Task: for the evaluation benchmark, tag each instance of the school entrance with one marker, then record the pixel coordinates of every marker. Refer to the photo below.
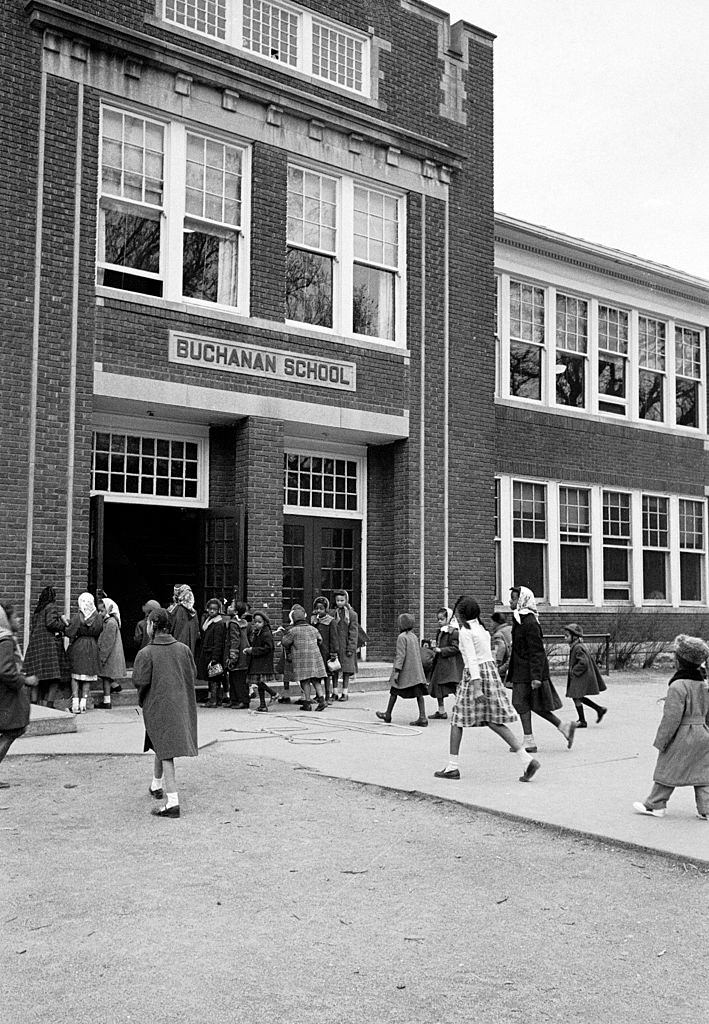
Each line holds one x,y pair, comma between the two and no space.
320,556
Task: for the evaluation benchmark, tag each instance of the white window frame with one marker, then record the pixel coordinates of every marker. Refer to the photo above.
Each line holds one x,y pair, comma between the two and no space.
163,432
701,552
622,404
506,321
344,259
354,454
586,545
664,374
550,569
173,215
561,350
307,19
601,598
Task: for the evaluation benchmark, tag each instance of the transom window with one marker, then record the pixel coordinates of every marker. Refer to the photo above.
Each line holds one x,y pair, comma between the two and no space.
140,467
320,482
285,33
189,206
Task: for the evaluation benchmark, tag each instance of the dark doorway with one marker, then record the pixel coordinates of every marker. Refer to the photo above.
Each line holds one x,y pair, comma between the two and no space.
320,556
147,549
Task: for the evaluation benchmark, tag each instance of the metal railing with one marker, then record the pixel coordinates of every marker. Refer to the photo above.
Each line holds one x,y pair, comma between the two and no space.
602,639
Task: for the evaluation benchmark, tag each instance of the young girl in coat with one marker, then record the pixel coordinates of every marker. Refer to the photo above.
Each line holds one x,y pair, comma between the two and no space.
83,629
407,678
584,678
45,656
260,652
302,645
112,663
447,669
683,735
345,635
213,653
325,624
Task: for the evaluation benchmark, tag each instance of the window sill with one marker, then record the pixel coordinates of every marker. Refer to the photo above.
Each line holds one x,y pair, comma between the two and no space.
224,315
602,417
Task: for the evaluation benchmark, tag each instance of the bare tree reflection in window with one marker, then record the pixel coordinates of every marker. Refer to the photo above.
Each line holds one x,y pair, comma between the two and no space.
570,381
309,288
525,370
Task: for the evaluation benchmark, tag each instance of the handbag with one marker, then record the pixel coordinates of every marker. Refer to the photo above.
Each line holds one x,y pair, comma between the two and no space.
334,665
428,660
214,668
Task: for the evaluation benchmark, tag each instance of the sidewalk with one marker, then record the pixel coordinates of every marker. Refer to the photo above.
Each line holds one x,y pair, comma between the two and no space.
589,789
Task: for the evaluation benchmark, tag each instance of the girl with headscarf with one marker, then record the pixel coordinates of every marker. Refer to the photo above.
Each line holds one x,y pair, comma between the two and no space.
45,656
84,629
532,689
183,617
14,696
447,670
112,662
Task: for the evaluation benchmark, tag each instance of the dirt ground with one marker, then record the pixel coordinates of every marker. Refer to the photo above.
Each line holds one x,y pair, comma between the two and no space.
280,896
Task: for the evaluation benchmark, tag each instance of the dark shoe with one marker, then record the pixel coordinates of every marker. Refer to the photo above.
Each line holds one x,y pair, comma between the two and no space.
273,697
116,689
420,721
345,696
582,725
439,714
452,773
211,704
600,714
284,700
530,771
321,706
306,706
531,750
102,706
568,733
156,794
262,707
384,717
166,812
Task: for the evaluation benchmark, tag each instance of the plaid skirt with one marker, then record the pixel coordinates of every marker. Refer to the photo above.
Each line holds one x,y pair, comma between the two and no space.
493,708
260,679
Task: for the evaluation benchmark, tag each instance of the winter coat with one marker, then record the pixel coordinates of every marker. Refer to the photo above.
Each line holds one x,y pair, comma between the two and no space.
584,678
213,647
45,656
261,657
408,669
83,649
141,634
502,649
326,628
164,674
14,695
237,642
528,659
302,646
345,637
185,627
448,666
683,735
112,663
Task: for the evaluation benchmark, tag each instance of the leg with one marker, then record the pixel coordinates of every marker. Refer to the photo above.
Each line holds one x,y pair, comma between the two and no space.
451,770
172,804
106,686
261,696
85,687
528,740
305,687
598,708
74,695
531,765
52,690
5,744
659,795
422,718
320,694
335,683
386,715
345,685
701,795
578,704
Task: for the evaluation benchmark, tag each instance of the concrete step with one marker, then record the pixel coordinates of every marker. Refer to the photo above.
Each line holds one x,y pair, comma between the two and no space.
49,721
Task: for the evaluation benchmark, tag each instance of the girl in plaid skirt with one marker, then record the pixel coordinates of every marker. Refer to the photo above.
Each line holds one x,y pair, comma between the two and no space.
481,698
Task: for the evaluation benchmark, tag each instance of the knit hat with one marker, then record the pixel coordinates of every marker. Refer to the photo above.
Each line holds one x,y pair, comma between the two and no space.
691,649
150,606
297,614
574,629
406,621
321,600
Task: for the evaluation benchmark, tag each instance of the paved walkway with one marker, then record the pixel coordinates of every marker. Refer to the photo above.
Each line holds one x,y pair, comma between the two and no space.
589,789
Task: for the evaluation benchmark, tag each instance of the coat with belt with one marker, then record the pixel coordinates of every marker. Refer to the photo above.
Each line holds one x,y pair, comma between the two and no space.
213,647
302,646
584,678
45,656
112,662
185,626
164,674
14,696
261,657
683,734
345,635
237,642
407,669
83,649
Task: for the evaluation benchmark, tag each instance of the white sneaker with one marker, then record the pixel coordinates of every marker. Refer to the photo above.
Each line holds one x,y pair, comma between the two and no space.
642,809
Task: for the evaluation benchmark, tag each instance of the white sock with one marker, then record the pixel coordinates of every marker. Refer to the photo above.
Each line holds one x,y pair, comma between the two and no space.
74,703
344,689
452,763
524,757
172,800
528,741
156,784
82,704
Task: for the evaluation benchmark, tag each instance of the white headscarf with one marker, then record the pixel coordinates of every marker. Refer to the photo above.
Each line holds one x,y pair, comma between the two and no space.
449,624
526,605
112,609
87,605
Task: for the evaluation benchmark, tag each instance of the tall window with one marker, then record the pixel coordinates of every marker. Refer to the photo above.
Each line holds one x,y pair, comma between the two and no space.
526,340
312,246
691,549
575,538
655,547
131,202
617,540
571,347
651,335
212,221
376,251
498,544
529,531
688,373
613,333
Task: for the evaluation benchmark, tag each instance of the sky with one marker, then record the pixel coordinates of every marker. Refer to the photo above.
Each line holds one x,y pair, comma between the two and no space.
602,120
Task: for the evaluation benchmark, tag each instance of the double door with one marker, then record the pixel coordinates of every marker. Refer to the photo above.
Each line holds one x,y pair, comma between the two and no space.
320,556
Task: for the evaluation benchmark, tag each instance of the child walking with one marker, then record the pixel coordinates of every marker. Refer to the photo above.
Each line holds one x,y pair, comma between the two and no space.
407,679
83,629
260,671
302,644
683,735
584,679
447,669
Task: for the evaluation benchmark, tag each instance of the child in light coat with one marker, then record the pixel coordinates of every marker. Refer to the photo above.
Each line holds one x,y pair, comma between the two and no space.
407,678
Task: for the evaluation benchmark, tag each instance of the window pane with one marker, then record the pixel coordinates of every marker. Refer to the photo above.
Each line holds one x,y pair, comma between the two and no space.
526,312
655,522
209,267
337,56
613,329
529,567
373,302
574,571
690,567
652,343
687,353
654,576
309,288
616,568
687,403
132,157
691,524
376,227
213,180
312,209
205,16
529,510
132,241
525,370
570,380
611,375
571,323
651,404
271,31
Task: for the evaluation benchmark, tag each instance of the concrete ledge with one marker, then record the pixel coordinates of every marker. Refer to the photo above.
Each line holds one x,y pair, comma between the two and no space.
50,722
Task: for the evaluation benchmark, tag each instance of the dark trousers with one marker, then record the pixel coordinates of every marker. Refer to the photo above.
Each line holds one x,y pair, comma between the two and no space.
238,690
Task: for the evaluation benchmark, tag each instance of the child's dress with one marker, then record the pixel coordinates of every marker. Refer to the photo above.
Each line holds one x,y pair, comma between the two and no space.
493,707
407,677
